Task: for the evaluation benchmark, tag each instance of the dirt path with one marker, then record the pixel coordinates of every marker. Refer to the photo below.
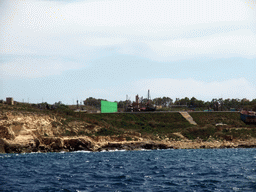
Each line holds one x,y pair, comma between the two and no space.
188,118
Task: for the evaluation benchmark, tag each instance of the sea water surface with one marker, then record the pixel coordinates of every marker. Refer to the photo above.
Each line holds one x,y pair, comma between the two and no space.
156,170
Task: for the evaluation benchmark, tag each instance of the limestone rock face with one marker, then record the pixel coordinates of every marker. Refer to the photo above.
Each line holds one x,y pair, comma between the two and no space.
29,132
6,132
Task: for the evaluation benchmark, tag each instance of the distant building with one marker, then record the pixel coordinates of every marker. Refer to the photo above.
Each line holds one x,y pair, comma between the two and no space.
9,101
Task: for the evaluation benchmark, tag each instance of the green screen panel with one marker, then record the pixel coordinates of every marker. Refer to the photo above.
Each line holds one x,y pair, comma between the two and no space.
108,107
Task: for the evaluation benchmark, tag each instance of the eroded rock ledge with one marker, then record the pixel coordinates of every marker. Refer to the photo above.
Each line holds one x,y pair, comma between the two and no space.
76,144
55,144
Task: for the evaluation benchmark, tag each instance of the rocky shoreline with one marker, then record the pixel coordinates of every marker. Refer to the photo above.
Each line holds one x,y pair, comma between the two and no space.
78,144
25,133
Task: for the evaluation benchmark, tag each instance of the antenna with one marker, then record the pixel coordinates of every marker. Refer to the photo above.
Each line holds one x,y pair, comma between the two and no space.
149,95
126,103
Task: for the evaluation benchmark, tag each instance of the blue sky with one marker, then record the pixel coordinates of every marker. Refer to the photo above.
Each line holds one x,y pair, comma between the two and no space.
71,50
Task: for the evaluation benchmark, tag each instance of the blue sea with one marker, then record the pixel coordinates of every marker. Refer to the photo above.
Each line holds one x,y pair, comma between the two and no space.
155,170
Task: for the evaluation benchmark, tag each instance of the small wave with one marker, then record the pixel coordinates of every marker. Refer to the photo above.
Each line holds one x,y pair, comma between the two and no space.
5,156
146,150
82,151
236,189
115,150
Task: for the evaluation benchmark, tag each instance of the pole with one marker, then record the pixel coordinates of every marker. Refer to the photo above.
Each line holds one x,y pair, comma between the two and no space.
126,103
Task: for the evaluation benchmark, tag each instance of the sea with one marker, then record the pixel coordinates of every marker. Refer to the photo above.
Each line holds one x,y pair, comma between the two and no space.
146,170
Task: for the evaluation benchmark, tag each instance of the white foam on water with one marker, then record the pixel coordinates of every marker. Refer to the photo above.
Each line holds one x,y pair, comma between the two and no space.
146,149
236,189
82,151
115,150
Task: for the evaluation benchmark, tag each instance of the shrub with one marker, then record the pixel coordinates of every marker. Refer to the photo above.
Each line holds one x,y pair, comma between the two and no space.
204,133
106,132
69,133
128,139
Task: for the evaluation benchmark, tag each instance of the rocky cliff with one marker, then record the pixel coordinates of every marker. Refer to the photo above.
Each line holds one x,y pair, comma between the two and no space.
32,132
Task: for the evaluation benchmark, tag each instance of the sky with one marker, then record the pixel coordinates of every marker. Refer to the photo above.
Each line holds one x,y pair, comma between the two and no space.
60,50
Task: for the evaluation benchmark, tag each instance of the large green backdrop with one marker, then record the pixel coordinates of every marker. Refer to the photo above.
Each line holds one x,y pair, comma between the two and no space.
108,107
